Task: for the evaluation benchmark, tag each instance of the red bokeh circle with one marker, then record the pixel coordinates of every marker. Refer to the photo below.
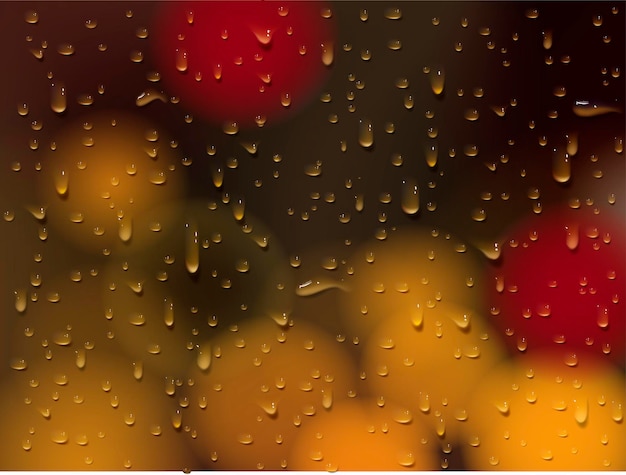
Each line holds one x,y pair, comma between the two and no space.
244,62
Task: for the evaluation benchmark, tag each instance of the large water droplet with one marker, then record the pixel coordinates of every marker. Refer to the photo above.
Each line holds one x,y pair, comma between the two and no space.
168,312
571,236
192,248
437,79
181,60
410,196
314,287
366,133
203,359
21,300
58,97
584,108
561,166
150,95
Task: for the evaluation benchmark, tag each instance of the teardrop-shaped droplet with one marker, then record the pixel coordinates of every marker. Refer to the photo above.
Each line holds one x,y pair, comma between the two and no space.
58,97
203,359
238,207
423,402
417,316
581,410
192,248
410,196
168,312
561,166
571,237
328,53
61,182
21,300
431,155
125,229
269,407
81,358
181,60
366,133
546,36
502,407
437,78
263,35
327,398
461,319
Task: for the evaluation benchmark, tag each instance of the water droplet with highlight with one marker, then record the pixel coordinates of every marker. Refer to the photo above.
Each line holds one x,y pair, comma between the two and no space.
561,166
581,410
431,153
366,133
150,95
181,60
192,248
584,108
58,97
410,196
328,53
125,229
437,80
203,359
571,237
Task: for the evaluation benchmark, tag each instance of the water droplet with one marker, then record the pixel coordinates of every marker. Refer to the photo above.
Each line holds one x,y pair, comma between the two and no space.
181,60
21,300
571,236
59,437
462,320
177,419
62,338
238,209
230,128
66,49
18,364
393,13
203,359
561,166
366,133
61,182
192,248
58,97
150,95
602,318
546,37
410,196
437,80
617,412
431,154
328,53
584,108
245,439
503,407
471,115
417,316
263,35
